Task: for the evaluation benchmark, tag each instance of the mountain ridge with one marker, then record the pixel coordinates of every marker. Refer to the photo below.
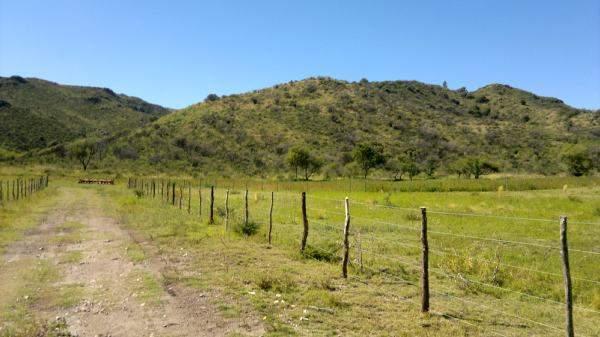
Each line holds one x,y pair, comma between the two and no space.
37,113
252,132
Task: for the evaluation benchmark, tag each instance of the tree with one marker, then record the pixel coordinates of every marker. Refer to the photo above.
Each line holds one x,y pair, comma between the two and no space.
395,166
296,157
368,156
311,167
473,166
430,167
211,98
445,85
411,168
83,152
578,162
461,168
299,158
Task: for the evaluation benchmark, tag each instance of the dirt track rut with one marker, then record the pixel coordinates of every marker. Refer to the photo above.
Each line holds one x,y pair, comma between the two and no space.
119,297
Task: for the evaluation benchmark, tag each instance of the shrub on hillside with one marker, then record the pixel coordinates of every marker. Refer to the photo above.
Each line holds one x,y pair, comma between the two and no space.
247,229
125,152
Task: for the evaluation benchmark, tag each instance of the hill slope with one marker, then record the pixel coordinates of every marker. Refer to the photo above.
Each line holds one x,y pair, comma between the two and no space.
251,133
37,113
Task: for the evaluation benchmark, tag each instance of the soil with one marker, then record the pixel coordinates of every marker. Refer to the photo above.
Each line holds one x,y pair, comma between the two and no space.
112,303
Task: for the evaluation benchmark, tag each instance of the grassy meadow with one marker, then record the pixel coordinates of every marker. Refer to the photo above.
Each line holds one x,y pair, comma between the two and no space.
493,254
495,265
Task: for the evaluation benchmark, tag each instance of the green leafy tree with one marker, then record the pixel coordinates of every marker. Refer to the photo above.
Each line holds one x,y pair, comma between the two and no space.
473,166
299,158
578,162
395,167
478,167
313,166
430,167
369,156
411,168
460,167
84,151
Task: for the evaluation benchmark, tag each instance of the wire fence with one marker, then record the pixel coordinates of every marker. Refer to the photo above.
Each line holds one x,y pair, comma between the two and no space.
21,188
505,266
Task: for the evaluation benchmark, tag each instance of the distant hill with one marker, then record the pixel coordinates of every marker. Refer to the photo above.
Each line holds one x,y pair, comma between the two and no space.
35,114
251,133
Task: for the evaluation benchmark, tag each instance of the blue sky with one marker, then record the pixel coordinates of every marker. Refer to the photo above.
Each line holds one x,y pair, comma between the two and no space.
174,53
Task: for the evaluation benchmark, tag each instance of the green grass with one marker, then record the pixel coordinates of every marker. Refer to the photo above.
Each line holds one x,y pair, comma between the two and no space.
146,288
386,226
135,253
300,294
74,256
12,222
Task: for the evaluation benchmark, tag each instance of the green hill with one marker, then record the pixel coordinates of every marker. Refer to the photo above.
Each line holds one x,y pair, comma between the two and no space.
252,133
36,114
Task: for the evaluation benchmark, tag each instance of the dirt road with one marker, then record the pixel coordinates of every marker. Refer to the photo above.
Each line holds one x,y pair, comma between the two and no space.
106,284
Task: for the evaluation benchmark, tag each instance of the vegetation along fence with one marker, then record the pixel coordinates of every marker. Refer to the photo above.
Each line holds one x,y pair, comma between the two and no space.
512,267
19,188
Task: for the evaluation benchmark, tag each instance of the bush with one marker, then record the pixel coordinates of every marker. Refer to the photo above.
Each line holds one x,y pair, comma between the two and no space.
327,252
280,283
248,229
211,98
126,152
578,162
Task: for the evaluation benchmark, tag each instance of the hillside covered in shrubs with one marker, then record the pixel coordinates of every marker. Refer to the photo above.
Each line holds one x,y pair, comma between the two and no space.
36,114
417,128
429,125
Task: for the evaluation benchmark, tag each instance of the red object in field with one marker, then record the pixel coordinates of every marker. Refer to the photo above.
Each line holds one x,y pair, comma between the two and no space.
97,181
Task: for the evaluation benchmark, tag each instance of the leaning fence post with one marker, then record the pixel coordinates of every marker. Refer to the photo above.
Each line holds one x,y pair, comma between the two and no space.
304,222
424,263
271,216
226,210
212,204
346,242
564,252
246,208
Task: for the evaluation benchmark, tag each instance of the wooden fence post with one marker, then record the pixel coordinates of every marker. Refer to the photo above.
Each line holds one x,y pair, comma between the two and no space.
271,216
212,205
564,252
168,194
246,208
304,223
226,210
424,263
173,195
346,242
180,195
190,198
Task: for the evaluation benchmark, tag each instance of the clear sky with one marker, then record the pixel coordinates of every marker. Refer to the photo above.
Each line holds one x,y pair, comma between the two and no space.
174,53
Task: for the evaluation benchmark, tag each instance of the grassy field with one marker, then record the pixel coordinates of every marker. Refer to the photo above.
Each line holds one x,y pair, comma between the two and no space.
494,254
495,262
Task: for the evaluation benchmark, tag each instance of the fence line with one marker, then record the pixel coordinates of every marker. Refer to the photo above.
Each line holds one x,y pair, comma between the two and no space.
287,207
442,212
21,188
469,236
